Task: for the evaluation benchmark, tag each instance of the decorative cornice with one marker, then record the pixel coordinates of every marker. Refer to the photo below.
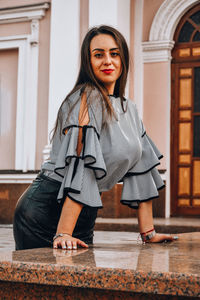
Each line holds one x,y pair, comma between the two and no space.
23,13
160,43
17,178
157,51
167,18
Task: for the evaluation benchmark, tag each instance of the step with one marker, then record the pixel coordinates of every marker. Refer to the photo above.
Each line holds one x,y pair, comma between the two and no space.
117,266
169,225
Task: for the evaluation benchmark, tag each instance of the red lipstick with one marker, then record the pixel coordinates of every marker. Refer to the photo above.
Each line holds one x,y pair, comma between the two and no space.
108,71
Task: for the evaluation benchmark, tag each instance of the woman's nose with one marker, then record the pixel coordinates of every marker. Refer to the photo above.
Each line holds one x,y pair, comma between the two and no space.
107,59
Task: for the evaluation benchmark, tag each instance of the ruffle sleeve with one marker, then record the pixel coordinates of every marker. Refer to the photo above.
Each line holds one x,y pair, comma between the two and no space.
80,173
142,182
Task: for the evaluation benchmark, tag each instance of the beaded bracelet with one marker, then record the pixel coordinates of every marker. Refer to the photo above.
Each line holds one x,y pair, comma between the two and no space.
60,234
148,235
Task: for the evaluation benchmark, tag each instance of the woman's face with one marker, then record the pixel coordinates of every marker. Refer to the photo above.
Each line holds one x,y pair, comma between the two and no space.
105,60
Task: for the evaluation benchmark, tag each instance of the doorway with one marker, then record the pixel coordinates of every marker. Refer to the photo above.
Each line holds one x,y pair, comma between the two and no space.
185,116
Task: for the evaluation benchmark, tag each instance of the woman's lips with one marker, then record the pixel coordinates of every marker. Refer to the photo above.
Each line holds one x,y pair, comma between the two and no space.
107,71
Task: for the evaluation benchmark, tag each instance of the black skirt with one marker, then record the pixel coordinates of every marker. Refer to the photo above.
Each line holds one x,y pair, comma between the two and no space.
37,214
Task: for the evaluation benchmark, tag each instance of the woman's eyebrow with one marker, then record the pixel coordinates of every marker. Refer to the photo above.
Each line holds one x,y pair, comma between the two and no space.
114,49
99,49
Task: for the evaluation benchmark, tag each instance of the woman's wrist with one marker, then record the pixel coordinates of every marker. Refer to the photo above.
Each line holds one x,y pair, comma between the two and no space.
148,235
60,234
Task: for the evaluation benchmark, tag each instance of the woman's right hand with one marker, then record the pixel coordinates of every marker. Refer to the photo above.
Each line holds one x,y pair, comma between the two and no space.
68,242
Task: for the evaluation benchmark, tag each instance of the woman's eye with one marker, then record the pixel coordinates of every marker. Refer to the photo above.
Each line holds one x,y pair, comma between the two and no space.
113,54
98,55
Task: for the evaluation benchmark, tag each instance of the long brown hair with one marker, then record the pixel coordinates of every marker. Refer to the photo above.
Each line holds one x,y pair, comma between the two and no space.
86,75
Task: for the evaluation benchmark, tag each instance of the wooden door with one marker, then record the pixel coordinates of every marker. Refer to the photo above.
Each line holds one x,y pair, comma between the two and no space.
185,117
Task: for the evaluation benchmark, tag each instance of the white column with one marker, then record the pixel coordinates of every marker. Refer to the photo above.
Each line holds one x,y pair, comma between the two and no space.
20,109
115,13
64,56
138,56
103,12
168,164
31,97
64,53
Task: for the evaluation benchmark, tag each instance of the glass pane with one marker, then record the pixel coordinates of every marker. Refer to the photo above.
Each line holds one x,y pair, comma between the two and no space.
184,181
196,202
184,52
196,37
185,33
195,51
196,178
184,159
183,202
196,143
186,72
185,92
197,89
184,136
196,17
185,115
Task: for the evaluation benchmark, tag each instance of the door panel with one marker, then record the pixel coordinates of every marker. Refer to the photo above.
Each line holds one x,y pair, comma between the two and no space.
185,116
196,178
185,92
184,137
185,144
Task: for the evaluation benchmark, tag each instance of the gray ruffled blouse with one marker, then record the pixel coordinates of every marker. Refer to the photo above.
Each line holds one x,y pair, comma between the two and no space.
119,151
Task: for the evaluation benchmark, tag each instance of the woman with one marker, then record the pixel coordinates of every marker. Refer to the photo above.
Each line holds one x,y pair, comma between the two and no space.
98,141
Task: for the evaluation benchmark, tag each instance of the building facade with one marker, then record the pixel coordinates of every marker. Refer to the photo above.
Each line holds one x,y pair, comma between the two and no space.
39,61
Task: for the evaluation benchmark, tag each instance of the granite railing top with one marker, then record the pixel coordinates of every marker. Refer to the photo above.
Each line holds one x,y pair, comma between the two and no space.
116,262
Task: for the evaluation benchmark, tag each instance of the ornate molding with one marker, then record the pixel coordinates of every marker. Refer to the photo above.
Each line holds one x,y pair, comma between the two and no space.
157,51
23,13
27,87
160,43
167,18
34,38
17,178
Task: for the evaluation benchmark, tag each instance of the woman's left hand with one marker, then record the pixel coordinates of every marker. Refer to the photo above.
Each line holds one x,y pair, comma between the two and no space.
159,238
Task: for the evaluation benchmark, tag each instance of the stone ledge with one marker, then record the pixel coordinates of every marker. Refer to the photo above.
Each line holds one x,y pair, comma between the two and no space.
116,262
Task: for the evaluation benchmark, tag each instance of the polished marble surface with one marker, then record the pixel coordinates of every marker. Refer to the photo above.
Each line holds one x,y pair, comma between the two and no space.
168,225
116,261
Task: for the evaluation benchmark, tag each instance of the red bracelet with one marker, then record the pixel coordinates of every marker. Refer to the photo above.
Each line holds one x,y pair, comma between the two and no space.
142,233
147,236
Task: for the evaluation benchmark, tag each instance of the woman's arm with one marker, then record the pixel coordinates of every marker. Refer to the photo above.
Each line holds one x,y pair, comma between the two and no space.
145,221
68,218
71,209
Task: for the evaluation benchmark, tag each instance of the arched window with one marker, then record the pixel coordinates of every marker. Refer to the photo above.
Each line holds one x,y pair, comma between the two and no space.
190,30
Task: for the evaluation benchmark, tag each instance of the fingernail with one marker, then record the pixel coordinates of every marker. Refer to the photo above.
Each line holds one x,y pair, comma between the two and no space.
69,247
74,247
55,247
175,237
64,247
